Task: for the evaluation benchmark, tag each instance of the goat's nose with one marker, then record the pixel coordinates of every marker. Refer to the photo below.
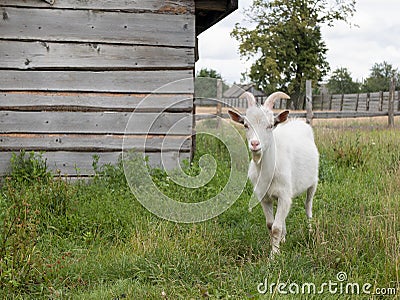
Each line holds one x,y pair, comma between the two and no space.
255,143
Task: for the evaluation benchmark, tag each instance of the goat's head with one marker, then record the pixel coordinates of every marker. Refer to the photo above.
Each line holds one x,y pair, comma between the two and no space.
260,121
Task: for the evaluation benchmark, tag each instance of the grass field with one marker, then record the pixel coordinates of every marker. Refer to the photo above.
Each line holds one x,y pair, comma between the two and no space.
81,240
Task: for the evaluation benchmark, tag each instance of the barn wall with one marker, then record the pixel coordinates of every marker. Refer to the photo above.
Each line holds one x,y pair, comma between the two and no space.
73,72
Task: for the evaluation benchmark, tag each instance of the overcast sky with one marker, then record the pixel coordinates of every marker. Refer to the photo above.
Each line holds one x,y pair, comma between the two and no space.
376,39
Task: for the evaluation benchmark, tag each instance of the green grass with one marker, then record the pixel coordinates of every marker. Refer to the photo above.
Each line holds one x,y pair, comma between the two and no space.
94,240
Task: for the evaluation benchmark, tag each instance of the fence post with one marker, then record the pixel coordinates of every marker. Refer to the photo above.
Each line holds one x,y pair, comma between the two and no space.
219,103
380,101
341,102
322,101
391,102
358,99
398,100
309,115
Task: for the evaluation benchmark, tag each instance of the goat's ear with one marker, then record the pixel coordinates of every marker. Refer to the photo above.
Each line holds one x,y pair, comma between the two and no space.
236,116
282,117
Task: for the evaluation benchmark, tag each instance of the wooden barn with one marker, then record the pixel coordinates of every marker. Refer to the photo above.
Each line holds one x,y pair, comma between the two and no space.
72,72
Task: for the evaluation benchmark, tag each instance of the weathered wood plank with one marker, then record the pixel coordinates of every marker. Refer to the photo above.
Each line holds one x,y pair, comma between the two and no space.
335,105
362,102
96,122
375,95
326,102
349,114
351,96
157,6
390,108
90,142
108,81
309,112
349,103
80,163
38,101
398,101
374,104
97,27
317,115
362,106
339,114
316,101
47,55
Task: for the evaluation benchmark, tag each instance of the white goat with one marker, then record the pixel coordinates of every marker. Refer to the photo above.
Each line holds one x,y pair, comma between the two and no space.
284,161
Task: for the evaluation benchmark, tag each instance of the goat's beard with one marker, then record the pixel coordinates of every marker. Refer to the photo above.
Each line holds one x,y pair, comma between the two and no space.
257,155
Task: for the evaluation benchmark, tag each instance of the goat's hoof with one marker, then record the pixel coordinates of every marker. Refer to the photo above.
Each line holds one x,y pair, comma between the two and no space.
273,255
283,239
310,228
274,252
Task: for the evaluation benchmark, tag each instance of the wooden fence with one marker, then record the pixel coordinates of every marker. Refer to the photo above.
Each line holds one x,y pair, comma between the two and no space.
336,105
329,106
365,102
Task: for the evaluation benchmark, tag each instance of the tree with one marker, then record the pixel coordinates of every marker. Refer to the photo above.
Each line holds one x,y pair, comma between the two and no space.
206,83
287,42
210,73
342,83
380,78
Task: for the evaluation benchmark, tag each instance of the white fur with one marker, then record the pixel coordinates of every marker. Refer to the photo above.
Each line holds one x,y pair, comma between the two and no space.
285,165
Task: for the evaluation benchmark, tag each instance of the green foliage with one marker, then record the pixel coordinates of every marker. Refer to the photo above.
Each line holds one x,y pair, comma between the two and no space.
350,153
29,167
380,78
206,84
30,210
210,146
341,82
287,42
109,174
18,237
209,73
326,169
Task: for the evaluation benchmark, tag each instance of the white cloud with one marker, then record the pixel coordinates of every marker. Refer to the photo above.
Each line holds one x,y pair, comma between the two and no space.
376,39
373,41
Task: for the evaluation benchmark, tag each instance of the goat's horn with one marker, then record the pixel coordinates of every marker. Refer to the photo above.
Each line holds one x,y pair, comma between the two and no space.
269,103
250,98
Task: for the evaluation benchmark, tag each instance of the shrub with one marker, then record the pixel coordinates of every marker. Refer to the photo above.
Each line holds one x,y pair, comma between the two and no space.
351,152
29,167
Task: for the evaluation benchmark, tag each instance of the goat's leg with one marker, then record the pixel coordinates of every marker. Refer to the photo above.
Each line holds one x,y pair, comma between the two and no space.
309,203
279,227
268,209
283,238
